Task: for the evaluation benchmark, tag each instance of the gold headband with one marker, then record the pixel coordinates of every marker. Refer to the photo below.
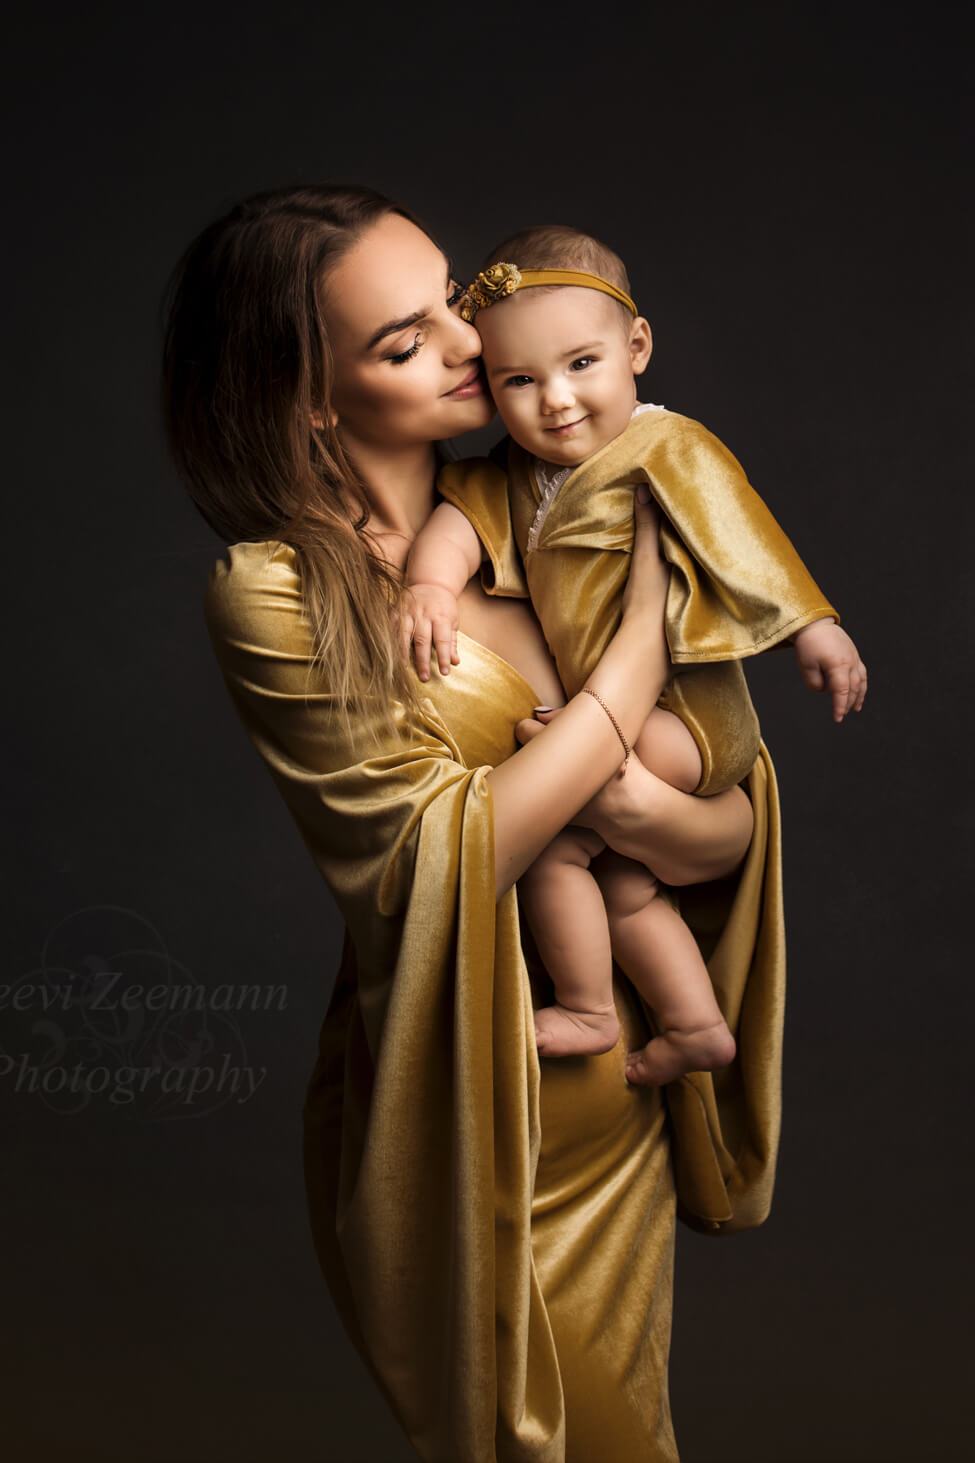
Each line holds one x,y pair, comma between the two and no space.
503,279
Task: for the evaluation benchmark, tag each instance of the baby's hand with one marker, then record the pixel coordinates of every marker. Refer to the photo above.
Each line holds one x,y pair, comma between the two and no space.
430,613
829,661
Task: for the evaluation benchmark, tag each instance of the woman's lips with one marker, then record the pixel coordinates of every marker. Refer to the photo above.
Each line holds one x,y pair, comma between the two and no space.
470,386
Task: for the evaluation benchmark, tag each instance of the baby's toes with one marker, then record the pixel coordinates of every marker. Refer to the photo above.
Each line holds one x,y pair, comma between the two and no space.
636,1068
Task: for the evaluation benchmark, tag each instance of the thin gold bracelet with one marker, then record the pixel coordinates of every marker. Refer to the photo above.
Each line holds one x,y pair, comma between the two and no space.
615,723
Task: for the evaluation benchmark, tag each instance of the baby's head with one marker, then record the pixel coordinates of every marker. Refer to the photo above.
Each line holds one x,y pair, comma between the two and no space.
561,360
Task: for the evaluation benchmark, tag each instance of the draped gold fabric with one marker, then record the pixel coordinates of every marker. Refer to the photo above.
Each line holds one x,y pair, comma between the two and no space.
737,585
496,1229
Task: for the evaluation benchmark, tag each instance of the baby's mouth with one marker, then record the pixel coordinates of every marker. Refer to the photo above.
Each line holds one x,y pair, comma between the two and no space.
566,426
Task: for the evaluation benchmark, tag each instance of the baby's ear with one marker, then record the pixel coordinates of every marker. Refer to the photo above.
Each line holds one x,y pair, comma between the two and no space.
641,345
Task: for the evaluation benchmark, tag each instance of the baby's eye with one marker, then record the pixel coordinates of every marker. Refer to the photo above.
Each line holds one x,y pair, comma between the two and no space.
518,381
582,362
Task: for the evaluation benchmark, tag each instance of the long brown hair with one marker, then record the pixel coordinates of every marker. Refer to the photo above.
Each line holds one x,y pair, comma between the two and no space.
246,364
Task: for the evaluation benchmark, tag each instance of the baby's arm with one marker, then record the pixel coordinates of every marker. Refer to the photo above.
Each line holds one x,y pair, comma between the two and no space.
829,661
445,553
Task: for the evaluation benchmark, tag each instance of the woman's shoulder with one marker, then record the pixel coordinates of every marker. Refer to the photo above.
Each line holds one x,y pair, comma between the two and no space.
253,592
247,565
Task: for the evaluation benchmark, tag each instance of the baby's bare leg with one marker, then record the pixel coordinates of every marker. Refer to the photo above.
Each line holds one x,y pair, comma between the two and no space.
659,954
668,749
565,910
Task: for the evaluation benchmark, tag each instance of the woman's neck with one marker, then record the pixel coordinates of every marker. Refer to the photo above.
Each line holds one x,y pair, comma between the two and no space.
400,489
399,483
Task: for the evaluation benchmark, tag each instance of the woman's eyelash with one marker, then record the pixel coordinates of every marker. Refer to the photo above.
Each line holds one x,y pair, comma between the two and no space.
407,354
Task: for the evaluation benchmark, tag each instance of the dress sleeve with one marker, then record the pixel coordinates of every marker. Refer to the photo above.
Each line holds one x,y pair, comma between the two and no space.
423,1112
738,587
478,487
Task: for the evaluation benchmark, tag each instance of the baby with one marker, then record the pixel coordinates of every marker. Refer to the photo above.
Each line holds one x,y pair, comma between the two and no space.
563,344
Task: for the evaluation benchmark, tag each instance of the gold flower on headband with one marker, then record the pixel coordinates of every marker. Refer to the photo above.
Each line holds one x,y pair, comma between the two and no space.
490,285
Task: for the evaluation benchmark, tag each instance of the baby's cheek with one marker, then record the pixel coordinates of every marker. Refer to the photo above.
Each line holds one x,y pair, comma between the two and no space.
510,410
519,425
616,414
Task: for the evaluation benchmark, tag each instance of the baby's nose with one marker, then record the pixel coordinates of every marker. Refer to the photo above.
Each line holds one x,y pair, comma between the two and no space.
556,397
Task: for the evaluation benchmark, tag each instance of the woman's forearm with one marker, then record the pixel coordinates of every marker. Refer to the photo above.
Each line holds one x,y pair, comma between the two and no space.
539,789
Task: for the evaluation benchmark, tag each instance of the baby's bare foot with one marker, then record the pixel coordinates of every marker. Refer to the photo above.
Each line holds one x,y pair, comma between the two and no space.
563,1032
666,1057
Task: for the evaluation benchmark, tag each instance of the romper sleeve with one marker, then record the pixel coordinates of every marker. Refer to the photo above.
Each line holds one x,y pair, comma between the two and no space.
422,1115
738,586
478,487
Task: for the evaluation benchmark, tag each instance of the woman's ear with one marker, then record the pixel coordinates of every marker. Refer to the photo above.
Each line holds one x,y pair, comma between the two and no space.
318,421
641,345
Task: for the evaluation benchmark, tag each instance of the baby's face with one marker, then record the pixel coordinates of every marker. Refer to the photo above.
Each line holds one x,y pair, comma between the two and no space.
561,367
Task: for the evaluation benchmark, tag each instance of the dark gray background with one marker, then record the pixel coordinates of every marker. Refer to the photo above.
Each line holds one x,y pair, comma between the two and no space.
786,184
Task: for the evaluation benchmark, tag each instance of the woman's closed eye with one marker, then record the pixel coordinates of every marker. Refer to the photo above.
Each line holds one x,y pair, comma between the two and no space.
408,354
401,357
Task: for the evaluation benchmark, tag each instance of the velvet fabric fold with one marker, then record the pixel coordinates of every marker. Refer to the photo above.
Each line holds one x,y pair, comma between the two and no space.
432,1172
496,1230
737,585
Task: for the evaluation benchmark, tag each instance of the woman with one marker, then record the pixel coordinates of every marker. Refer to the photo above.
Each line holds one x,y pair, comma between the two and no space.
497,1230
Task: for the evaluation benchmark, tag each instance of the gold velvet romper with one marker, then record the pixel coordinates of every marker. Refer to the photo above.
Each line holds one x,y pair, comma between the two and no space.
737,585
496,1230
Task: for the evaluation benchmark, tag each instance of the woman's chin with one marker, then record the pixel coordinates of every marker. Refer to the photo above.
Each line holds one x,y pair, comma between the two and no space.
470,416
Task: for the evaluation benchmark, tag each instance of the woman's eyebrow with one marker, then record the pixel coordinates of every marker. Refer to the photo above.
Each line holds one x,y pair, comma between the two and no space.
391,326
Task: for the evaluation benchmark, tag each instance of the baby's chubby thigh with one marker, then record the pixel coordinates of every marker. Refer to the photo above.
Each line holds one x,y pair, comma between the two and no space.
667,748
573,847
626,886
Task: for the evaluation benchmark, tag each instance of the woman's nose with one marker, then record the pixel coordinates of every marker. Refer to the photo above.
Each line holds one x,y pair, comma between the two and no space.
462,343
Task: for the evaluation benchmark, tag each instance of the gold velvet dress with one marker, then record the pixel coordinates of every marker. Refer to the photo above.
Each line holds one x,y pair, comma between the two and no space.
496,1230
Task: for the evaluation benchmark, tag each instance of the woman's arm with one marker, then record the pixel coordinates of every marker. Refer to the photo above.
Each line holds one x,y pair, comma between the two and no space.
539,789
360,802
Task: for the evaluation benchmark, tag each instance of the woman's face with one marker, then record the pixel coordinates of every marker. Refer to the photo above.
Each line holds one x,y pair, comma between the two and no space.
407,367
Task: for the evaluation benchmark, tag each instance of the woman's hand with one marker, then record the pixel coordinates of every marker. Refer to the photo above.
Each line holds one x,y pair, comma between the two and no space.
536,795
649,576
644,603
